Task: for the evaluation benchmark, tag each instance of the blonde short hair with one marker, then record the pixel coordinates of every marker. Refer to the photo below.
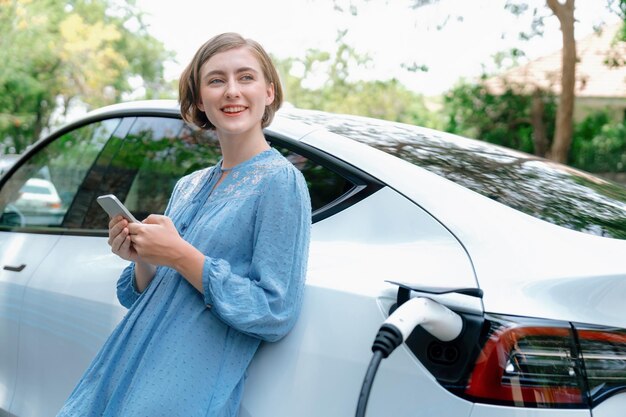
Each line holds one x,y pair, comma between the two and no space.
189,83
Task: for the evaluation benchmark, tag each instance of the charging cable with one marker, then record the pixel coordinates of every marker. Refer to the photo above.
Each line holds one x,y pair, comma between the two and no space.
435,318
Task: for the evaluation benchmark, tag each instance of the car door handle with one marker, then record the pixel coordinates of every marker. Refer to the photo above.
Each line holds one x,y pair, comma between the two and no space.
14,268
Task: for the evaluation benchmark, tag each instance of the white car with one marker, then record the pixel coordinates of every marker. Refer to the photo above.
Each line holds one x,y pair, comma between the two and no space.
37,195
530,254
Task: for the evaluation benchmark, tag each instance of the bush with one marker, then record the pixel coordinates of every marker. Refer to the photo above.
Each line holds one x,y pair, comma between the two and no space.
501,119
599,144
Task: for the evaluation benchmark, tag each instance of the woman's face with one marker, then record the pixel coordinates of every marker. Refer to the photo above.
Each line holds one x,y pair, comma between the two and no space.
234,93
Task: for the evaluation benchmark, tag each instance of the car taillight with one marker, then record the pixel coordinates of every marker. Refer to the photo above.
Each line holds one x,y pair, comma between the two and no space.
54,205
604,356
528,363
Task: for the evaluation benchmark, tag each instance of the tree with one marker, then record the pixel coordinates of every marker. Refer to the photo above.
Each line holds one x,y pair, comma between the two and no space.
563,10
565,112
57,54
335,91
618,7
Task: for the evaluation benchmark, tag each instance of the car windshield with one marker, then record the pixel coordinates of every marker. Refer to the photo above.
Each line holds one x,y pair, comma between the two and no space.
549,191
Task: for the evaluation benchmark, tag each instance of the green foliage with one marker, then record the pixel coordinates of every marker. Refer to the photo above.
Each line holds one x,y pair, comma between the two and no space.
504,119
599,144
54,54
618,7
336,92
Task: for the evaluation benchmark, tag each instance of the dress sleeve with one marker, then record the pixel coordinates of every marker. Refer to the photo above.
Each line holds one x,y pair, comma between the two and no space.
127,292
266,303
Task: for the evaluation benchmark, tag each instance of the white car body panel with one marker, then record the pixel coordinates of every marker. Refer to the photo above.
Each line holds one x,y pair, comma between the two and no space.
517,278
485,410
16,249
325,377
612,407
317,370
71,313
385,237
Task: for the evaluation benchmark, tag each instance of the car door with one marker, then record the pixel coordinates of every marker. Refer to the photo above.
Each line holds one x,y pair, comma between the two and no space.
28,232
20,255
70,306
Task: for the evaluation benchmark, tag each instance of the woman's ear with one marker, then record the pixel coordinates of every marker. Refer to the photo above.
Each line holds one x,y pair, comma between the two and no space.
269,99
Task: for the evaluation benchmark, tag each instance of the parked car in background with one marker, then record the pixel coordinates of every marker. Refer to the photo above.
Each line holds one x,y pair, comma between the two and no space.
392,203
39,202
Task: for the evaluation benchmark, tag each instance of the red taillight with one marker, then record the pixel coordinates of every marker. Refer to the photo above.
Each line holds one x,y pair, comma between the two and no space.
528,365
528,362
604,356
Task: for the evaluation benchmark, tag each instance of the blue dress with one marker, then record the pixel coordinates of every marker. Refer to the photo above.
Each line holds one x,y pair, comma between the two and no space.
178,352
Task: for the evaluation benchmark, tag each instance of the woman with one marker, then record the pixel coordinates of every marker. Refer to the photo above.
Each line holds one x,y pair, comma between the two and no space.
222,270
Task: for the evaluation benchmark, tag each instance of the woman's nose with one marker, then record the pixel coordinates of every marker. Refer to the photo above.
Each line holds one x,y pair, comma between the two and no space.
232,89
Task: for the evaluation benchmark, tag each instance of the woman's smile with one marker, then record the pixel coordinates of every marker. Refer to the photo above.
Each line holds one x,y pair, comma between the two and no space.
233,110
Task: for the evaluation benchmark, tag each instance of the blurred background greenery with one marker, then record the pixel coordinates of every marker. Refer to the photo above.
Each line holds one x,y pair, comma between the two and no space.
59,55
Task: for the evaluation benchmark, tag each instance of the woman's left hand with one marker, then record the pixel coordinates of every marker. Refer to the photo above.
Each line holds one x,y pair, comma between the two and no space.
156,240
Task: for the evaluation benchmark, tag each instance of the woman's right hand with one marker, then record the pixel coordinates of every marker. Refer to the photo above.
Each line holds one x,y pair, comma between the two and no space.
119,239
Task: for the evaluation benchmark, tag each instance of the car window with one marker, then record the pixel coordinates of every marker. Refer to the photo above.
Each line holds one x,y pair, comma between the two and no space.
157,151
325,186
138,159
40,191
142,169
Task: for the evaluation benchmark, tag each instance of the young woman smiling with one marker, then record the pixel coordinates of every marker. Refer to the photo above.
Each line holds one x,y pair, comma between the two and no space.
221,271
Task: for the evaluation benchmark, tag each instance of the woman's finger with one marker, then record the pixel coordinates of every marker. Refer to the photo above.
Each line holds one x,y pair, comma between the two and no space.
116,229
118,240
124,248
115,220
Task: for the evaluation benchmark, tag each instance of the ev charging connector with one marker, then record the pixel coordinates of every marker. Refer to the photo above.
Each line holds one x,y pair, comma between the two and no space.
438,320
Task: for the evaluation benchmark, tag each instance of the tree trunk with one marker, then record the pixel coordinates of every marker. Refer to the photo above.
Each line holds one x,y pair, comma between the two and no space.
540,136
564,123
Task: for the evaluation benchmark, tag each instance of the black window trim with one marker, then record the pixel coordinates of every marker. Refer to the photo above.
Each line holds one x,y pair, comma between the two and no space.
364,184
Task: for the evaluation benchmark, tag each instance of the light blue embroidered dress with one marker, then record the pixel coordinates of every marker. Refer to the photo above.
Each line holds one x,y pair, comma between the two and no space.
178,352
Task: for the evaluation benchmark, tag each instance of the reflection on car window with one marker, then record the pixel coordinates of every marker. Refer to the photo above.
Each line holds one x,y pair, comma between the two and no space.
325,186
540,188
142,168
40,191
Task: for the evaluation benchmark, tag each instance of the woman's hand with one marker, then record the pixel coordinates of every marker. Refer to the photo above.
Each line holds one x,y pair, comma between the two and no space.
119,239
157,241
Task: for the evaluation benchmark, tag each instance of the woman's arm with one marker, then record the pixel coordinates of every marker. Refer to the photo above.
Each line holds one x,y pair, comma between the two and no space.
267,301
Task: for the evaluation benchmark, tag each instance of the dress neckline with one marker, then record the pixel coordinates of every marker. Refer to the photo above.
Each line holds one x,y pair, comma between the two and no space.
247,162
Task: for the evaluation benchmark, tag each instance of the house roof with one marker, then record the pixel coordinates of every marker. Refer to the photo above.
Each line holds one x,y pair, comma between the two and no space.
594,78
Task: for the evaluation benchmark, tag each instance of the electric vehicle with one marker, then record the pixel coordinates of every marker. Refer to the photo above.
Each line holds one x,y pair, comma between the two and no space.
530,254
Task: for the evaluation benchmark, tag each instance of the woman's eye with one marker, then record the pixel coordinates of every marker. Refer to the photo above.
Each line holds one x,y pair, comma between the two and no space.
247,77
215,81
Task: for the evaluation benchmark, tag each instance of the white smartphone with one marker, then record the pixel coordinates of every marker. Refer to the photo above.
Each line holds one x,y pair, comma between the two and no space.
114,207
